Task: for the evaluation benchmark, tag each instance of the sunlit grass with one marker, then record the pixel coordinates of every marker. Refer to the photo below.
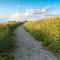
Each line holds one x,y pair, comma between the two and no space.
46,30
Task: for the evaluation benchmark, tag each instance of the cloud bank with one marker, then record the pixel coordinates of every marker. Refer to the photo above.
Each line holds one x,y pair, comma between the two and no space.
28,14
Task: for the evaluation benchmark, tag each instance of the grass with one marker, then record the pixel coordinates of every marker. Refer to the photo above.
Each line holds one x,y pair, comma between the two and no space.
7,40
46,30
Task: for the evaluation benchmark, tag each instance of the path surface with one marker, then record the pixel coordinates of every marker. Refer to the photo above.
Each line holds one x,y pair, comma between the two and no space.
30,49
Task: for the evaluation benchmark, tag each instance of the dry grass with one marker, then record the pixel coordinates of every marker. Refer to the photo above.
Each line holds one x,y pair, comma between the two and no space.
46,30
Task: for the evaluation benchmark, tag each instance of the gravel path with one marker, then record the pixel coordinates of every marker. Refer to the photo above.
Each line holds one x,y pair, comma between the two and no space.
30,49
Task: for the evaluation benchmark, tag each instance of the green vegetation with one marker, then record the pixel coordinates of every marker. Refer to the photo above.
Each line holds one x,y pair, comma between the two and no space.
7,40
46,30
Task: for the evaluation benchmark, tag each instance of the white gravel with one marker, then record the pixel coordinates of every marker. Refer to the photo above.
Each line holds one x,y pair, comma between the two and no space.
30,49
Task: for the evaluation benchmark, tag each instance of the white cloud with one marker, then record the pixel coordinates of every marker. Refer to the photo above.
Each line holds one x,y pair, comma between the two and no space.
31,12
27,14
35,13
15,15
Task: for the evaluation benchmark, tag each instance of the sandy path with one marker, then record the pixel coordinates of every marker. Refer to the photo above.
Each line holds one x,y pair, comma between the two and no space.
30,49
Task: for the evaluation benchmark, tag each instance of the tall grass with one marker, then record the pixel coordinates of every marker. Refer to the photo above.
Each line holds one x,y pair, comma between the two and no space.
46,30
7,40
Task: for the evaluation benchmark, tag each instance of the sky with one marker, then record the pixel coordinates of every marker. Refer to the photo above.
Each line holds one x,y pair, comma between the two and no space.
21,10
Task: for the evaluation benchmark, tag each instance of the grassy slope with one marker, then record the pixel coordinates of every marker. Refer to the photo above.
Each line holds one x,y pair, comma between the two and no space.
46,30
7,40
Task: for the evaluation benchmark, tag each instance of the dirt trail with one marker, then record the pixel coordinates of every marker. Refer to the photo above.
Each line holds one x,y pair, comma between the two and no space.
30,49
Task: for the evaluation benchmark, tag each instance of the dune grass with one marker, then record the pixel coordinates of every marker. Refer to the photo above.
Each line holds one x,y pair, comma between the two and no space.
46,30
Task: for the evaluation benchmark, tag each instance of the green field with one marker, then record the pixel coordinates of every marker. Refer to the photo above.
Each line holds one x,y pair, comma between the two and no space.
7,40
46,30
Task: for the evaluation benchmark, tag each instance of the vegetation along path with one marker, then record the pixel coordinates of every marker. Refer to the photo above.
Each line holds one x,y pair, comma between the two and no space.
30,49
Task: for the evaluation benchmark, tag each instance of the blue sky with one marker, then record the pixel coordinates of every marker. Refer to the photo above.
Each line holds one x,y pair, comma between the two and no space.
18,7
